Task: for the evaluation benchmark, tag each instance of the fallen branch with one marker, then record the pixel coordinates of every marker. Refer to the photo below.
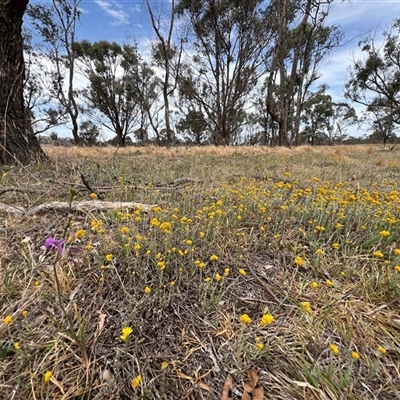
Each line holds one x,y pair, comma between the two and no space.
21,189
75,206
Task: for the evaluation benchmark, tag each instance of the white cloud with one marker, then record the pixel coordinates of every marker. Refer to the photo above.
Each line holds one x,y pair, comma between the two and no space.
83,10
114,10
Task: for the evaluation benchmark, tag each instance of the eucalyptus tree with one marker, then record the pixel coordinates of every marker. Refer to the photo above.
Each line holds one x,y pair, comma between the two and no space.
17,141
265,128
325,121
112,71
89,132
56,24
166,55
150,107
374,80
193,126
302,43
224,60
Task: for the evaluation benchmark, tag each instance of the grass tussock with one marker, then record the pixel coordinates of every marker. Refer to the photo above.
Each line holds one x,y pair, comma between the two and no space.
283,261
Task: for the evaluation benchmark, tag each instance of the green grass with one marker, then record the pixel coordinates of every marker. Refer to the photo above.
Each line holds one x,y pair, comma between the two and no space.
308,236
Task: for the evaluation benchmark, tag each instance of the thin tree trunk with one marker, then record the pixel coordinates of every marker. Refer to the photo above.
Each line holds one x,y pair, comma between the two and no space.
18,143
166,46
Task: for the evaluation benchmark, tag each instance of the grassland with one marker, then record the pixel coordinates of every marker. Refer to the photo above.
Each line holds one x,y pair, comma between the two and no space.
286,262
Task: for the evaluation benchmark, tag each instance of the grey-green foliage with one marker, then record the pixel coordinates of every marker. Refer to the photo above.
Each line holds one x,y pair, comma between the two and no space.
89,132
114,74
230,39
194,126
55,22
44,112
374,81
323,120
302,42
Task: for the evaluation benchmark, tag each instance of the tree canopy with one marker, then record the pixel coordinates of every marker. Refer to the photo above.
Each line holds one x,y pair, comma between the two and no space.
221,72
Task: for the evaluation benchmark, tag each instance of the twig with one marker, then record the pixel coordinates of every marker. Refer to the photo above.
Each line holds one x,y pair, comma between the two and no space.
270,292
381,307
86,183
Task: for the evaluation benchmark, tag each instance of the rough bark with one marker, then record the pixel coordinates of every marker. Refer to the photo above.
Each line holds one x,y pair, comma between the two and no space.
17,141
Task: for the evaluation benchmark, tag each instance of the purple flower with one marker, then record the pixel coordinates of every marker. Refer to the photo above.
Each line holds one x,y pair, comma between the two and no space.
50,243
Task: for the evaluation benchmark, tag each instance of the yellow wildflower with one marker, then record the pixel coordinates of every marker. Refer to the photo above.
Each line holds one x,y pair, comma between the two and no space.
218,277
164,365
80,233
189,242
314,285
124,229
298,261
213,257
334,349
354,355
165,227
126,331
155,222
161,265
245,319
378,254
136,381
47,376
382,350
17,346
208,279
307,306
202,234
109,257
397,252
329,283
397,267
260,345
267,319
8,320
226,271
147,289
335,245
24,313
319,252
384,233
93,196
242,272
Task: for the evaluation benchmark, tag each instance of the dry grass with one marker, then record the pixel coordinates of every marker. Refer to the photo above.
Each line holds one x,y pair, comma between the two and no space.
257,231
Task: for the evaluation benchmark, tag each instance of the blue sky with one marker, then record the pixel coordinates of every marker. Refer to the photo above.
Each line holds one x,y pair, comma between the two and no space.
114,20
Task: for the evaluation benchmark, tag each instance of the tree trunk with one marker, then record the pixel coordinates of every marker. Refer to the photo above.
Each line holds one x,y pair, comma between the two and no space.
17,140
